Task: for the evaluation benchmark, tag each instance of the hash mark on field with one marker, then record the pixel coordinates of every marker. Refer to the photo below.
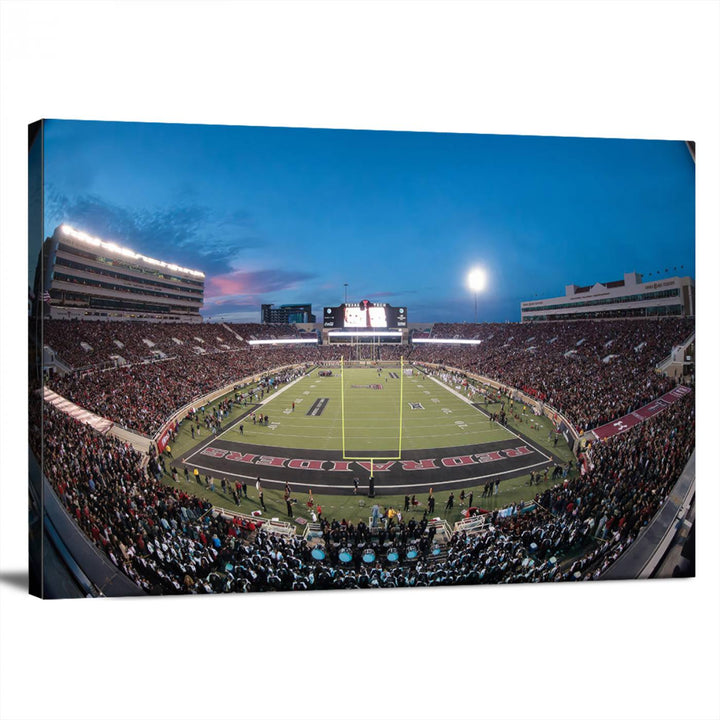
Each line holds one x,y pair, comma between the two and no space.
435,400
307,392
447,411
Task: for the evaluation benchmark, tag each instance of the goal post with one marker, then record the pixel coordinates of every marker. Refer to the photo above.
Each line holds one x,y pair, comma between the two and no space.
372,458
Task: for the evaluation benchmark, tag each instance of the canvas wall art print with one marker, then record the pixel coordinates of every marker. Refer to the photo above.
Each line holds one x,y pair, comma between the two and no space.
286,359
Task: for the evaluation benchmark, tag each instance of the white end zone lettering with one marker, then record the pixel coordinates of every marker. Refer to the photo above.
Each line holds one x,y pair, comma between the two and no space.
426,464
377,467
490,456
240,457
213,452
272,461
517,452
458,460
300,464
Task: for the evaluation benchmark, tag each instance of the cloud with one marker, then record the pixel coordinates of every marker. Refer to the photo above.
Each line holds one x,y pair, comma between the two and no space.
189,234
252,282
238,295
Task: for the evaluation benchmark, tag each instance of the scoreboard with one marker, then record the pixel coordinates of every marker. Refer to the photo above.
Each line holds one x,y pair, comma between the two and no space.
365,315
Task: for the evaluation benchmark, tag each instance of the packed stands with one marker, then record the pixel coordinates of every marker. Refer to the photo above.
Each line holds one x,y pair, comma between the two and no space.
255,331
592,372
141,397
85,344
168,541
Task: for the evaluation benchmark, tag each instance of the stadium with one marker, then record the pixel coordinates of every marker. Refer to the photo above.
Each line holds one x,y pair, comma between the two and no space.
177,286
363,451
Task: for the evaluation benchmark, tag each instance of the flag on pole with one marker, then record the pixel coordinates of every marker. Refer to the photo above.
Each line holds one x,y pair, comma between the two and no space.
46,297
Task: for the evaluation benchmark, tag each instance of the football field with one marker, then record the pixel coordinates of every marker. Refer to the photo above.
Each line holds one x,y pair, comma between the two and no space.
447,444
374,413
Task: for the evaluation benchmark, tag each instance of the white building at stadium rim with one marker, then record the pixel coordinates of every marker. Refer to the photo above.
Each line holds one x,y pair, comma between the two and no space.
92,279
626,298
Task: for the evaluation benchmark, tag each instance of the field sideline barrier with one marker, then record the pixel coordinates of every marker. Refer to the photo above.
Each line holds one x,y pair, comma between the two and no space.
141,443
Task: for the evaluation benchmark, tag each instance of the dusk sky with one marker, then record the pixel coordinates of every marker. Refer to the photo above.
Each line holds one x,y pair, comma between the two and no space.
275,215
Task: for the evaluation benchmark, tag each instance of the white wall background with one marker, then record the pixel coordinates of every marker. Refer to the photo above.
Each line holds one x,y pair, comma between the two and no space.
623,69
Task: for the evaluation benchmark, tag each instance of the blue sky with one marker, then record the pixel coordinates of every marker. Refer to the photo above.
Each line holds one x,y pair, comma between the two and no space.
290,215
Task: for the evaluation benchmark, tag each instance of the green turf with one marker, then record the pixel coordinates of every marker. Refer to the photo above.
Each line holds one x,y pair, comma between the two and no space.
371,417
355,508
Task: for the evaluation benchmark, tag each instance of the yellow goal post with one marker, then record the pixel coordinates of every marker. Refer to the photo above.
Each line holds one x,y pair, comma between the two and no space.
373,458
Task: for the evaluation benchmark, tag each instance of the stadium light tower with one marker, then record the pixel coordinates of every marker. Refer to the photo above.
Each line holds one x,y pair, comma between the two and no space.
476,280
346,293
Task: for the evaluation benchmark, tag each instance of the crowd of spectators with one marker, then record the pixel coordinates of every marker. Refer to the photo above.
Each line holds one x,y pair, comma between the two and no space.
591,371
264,331
141,397
82,343
171,542
629,477
132,517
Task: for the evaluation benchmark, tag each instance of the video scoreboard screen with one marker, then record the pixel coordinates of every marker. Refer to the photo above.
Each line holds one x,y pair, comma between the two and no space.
365,315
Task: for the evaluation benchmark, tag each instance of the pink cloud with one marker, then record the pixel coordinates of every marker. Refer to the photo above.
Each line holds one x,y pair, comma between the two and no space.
252,282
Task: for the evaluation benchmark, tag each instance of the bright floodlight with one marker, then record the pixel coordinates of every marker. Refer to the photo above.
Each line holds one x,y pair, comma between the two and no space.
476,279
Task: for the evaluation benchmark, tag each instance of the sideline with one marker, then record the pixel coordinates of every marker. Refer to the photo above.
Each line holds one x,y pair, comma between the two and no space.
473,406
244,415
